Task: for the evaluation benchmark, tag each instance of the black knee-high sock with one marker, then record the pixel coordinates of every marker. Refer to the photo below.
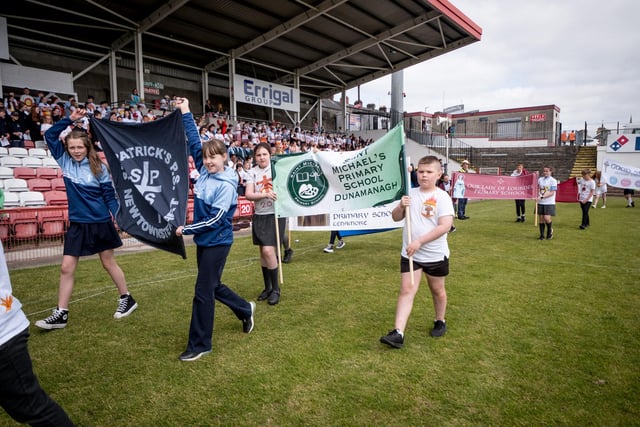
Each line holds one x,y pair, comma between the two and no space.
266,276
549,229
541,227
274,279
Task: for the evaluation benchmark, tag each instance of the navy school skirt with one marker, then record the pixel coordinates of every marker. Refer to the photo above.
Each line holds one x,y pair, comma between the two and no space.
82,239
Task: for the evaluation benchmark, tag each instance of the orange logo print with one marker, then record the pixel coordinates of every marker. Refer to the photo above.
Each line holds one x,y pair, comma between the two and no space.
7,302
265,183
429,208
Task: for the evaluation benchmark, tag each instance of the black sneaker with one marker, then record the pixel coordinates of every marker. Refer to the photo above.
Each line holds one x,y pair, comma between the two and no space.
522,218
550,235
126,306
190,356
274,297
288,254
247,324
541,237
394,339
452,229
264,294
519,219
57,320
439,329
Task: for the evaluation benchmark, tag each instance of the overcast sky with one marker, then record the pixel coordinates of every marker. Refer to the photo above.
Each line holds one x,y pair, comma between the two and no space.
581,55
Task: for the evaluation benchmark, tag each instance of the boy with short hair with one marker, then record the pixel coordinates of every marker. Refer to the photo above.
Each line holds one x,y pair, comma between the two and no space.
430,219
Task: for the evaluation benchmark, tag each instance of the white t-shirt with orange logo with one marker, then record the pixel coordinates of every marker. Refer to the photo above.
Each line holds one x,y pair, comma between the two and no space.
425,210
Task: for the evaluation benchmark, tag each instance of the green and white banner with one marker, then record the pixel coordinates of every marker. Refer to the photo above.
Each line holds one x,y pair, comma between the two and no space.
328,182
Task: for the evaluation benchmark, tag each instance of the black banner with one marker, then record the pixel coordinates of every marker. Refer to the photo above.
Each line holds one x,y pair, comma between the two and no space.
148,163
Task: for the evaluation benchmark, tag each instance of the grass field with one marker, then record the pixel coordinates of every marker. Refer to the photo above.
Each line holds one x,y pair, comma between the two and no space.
539,333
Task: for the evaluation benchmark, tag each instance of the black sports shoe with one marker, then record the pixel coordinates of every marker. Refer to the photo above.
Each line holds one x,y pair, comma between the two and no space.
247,324
550,235
57,320
126,306
190,356
274,297
264,295
439,329
522,218
519,219
288,254
541,237
394,339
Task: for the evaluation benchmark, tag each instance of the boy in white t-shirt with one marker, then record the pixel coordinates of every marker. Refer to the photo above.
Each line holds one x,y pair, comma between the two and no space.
430,219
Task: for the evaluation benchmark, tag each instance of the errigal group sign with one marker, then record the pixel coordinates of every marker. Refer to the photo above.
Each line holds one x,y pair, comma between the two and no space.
267,94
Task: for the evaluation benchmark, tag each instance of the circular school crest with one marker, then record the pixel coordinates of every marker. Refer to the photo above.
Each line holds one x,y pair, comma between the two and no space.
307,185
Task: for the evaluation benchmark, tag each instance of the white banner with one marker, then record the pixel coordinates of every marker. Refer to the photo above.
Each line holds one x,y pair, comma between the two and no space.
377,218
326,182
621,176
260,92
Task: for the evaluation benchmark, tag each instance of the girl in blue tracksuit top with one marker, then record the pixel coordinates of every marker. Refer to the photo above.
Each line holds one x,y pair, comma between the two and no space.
215,200
92,202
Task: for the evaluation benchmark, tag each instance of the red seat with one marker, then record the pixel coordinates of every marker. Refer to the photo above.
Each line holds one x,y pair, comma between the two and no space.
52,221
23,172
58,184
24,223
56,198
5,227
46,173
29,144
39,184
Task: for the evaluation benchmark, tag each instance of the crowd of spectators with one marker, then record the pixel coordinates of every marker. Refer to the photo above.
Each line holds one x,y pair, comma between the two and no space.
28,116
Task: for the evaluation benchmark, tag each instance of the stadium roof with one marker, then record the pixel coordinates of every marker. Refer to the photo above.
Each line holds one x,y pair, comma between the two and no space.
332,45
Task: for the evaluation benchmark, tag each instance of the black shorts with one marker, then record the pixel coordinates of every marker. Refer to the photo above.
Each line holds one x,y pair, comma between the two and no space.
436,269
547,210
83,239
263,229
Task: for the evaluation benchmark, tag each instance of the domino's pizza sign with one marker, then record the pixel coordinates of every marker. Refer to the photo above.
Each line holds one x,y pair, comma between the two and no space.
619,143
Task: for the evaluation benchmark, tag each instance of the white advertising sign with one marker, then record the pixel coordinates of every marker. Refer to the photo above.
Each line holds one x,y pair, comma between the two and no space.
260,92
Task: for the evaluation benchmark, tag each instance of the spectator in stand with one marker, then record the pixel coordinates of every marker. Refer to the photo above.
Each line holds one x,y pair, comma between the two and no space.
134,98
209,108
92,203
47,122
520,171
586,190
26,98
33,123
56,113
16,130
11,103
4,129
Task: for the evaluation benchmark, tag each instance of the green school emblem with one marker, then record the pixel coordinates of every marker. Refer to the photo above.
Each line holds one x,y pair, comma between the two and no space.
307,185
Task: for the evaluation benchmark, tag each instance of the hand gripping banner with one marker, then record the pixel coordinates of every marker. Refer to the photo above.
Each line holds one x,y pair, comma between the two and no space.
149,168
